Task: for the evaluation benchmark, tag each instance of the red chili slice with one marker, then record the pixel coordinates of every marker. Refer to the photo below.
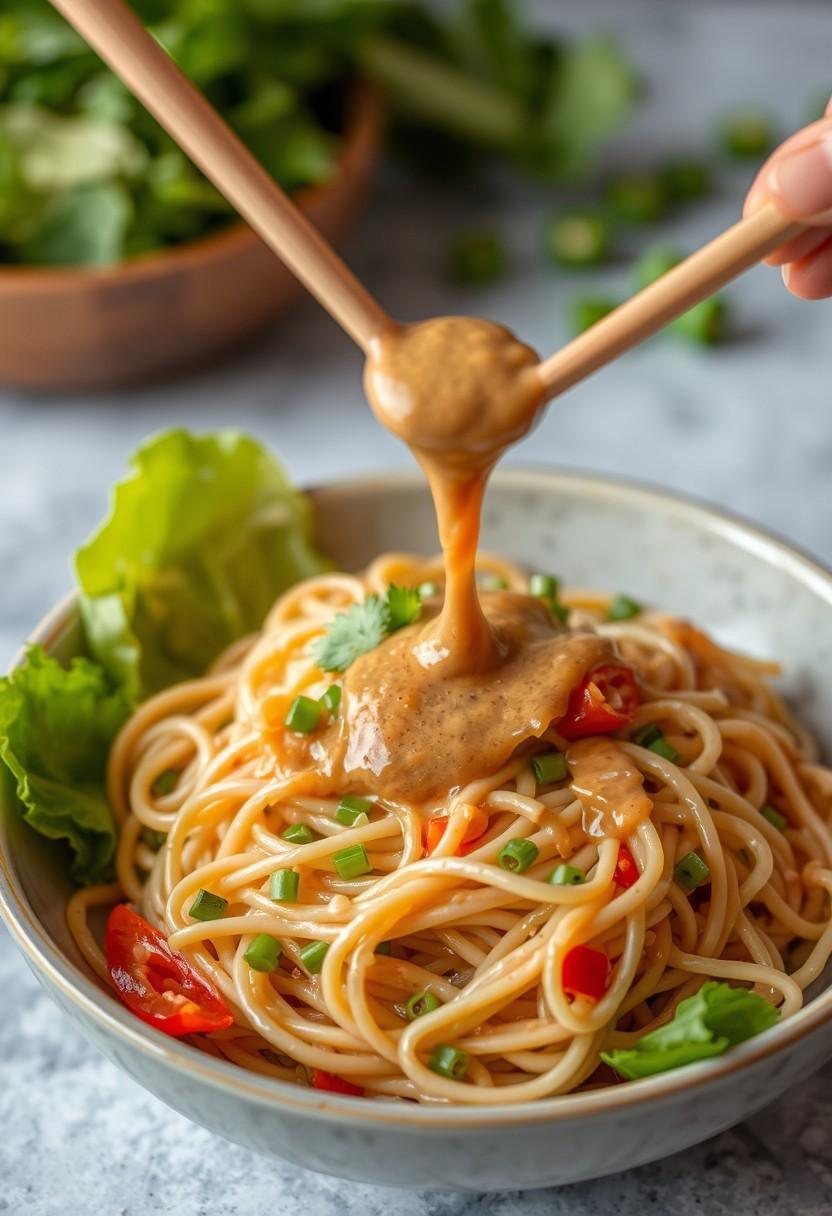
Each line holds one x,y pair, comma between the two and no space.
586,972
626,870
156,983
603,703
334,1085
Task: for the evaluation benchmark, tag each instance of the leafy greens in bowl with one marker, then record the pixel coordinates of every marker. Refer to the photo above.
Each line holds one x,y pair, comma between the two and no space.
87,177
204,534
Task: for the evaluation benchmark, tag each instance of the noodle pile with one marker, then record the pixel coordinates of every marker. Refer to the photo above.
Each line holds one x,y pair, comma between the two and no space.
487,943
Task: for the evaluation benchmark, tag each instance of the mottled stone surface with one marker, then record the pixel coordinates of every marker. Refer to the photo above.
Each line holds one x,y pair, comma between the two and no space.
749,427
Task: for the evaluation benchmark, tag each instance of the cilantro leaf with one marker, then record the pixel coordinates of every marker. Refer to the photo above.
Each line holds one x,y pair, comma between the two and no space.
353,633
715,1018
404,606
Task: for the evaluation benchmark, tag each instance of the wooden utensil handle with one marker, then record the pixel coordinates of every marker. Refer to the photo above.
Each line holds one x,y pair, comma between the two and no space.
121,40
703,273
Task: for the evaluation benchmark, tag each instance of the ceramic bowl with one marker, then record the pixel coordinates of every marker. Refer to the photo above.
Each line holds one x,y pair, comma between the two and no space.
750,590
78,328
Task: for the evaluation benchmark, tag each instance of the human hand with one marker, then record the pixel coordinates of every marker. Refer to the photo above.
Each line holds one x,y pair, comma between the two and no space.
797,178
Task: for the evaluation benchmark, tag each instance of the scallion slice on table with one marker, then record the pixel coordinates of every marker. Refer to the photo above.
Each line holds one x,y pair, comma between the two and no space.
578,240
686,181
638,198
477,258
747,134
587,311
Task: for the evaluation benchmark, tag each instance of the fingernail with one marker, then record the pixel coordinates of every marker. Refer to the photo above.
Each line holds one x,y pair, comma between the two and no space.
803,180
786,272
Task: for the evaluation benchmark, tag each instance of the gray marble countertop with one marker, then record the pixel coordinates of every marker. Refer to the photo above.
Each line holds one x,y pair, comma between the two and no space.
748,426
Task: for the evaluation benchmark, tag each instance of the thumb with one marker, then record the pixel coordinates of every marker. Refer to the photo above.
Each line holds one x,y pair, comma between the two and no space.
799,178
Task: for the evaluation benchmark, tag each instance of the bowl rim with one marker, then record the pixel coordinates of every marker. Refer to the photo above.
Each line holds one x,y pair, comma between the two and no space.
363,113
56,971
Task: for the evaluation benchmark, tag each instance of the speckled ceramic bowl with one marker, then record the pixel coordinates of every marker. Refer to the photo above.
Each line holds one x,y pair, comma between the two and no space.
746,587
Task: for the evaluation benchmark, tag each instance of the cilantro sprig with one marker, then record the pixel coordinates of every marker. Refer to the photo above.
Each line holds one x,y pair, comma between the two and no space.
715,1018
365,625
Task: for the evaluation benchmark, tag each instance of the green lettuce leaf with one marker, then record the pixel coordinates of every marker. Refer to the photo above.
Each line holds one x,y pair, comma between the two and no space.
706,1024
204,534
56,728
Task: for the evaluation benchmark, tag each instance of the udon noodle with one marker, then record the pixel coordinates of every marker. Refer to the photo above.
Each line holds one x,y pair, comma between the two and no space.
196,764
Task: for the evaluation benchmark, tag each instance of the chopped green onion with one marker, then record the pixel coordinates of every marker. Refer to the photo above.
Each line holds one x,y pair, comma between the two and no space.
449,1061
622,608
747,134
420,1004
304,715
494,582
153,839
706,323
352,862
691,872
299,833
264,953
518,855
283,886
578,239
543,586
686,180
646,735
351,809
477,257
654,263
566,876
774,817
662,748
549,768
208,906
383,948
427,590
313,955
587,311
652,737
638,198
331,699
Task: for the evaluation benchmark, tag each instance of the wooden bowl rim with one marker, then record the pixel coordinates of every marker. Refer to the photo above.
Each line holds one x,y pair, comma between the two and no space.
360,138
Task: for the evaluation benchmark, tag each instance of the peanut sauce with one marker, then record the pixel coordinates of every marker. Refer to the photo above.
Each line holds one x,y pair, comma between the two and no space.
452,698
609,786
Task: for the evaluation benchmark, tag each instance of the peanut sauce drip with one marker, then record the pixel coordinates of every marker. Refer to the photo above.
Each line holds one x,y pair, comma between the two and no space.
451,699
609,787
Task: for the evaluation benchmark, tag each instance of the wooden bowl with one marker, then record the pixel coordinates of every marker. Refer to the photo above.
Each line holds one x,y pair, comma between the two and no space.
171,311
